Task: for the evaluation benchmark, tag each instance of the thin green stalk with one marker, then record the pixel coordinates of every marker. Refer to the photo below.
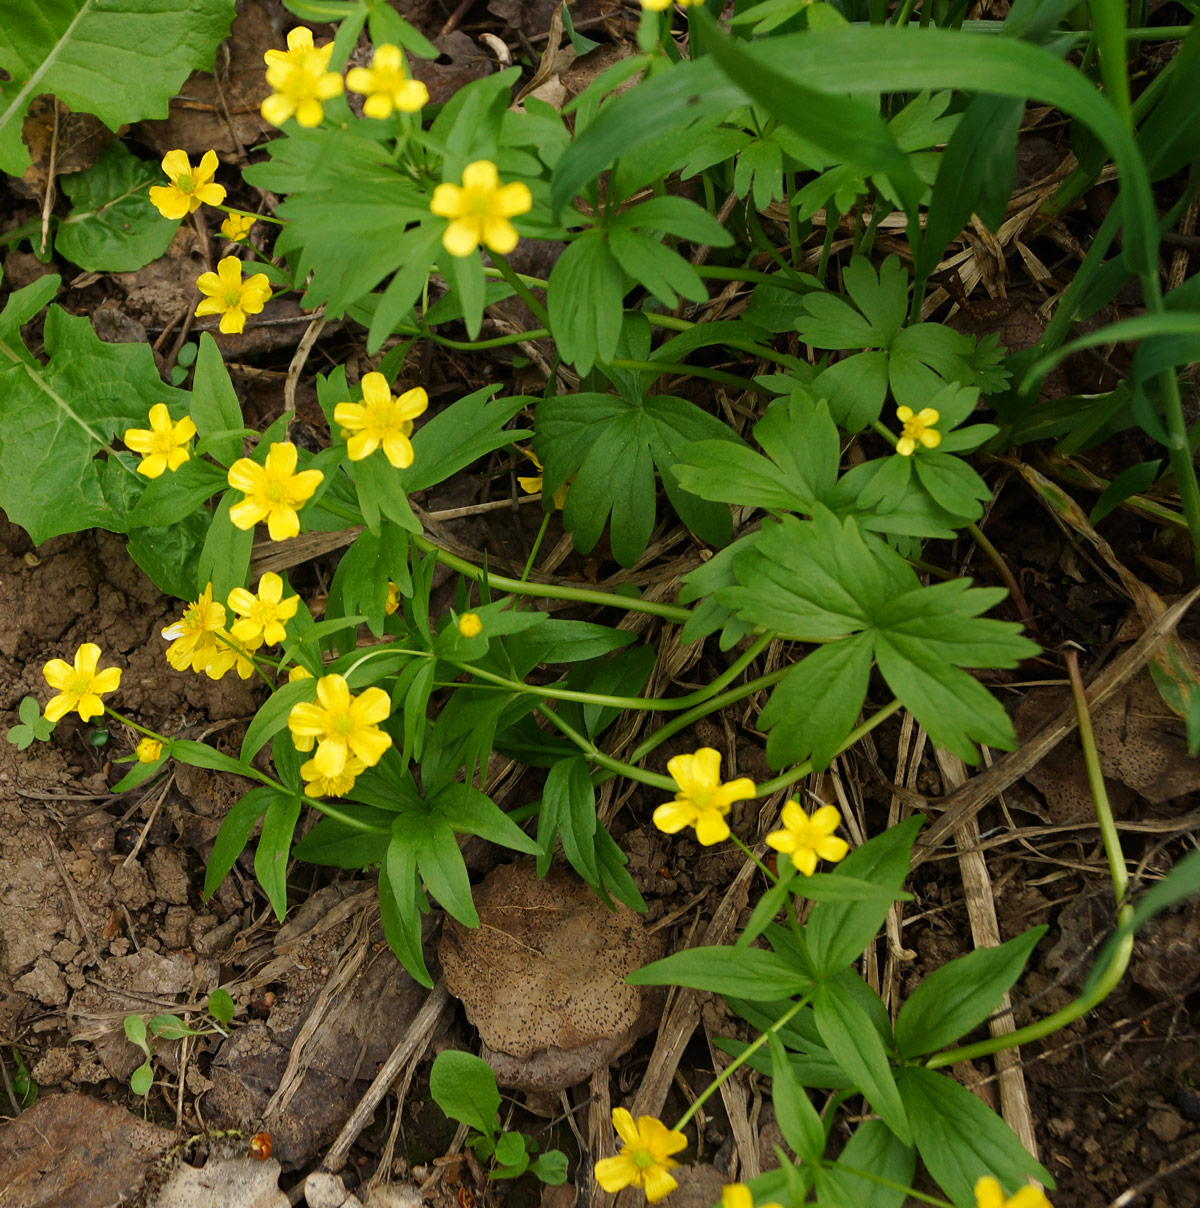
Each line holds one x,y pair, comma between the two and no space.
909,1191
550,591
1119,961
766,872
523,290
700,371
537,545
738,1061
606,761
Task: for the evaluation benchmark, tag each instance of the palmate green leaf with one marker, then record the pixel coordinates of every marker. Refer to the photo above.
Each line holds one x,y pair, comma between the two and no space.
274,848
875,1148
348,212
400,905
56,418
960,995
800,441
121,60
611,446
959,1138
798,1120
112,226
822,579
234,834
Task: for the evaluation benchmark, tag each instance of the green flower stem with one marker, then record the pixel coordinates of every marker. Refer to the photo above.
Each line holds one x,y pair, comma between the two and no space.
537,545
523,290
740,1060
550,591
908,1191
235,212
790,777
700,371
251,772
703,699
1119,961
133,725
597,756
766,872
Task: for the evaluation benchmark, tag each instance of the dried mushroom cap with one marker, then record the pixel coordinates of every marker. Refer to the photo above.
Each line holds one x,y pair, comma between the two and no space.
543,976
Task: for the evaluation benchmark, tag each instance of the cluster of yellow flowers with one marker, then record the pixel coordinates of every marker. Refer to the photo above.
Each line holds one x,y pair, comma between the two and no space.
345,730
645,1161
200,641
703,801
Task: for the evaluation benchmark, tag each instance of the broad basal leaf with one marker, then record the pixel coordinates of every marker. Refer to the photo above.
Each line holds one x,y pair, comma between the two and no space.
122,60
611,446
112,226
57,416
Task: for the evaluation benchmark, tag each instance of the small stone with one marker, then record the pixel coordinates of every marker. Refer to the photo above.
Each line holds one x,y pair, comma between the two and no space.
43,982
55,1067
1166,1125
323,1190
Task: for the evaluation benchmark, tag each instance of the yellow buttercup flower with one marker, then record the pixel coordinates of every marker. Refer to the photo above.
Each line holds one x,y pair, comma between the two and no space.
262,615
316,785
479,210
386,84
808,840
989,1194
341,725
163,445
237,226
231,297
738,1195
392,604
299,672
702,800
918,430
148,750
301,80
274,491
81,686
645,1159
469,625
381,419
533,484
190,188
196,638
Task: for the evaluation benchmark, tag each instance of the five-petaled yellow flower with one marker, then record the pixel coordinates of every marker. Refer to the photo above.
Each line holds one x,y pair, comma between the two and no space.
341,725
316,785
148,750
163,445
189,188
382,418
262,615
81,686
918,430
230,297
533,484
989,1194
645,1159
196,638
237,226
738,1195
479,210
469,625
301,80
386,84
274,491
702,800
808,840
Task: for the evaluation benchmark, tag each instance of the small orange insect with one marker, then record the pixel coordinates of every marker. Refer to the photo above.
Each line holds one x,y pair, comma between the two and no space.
260,1146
